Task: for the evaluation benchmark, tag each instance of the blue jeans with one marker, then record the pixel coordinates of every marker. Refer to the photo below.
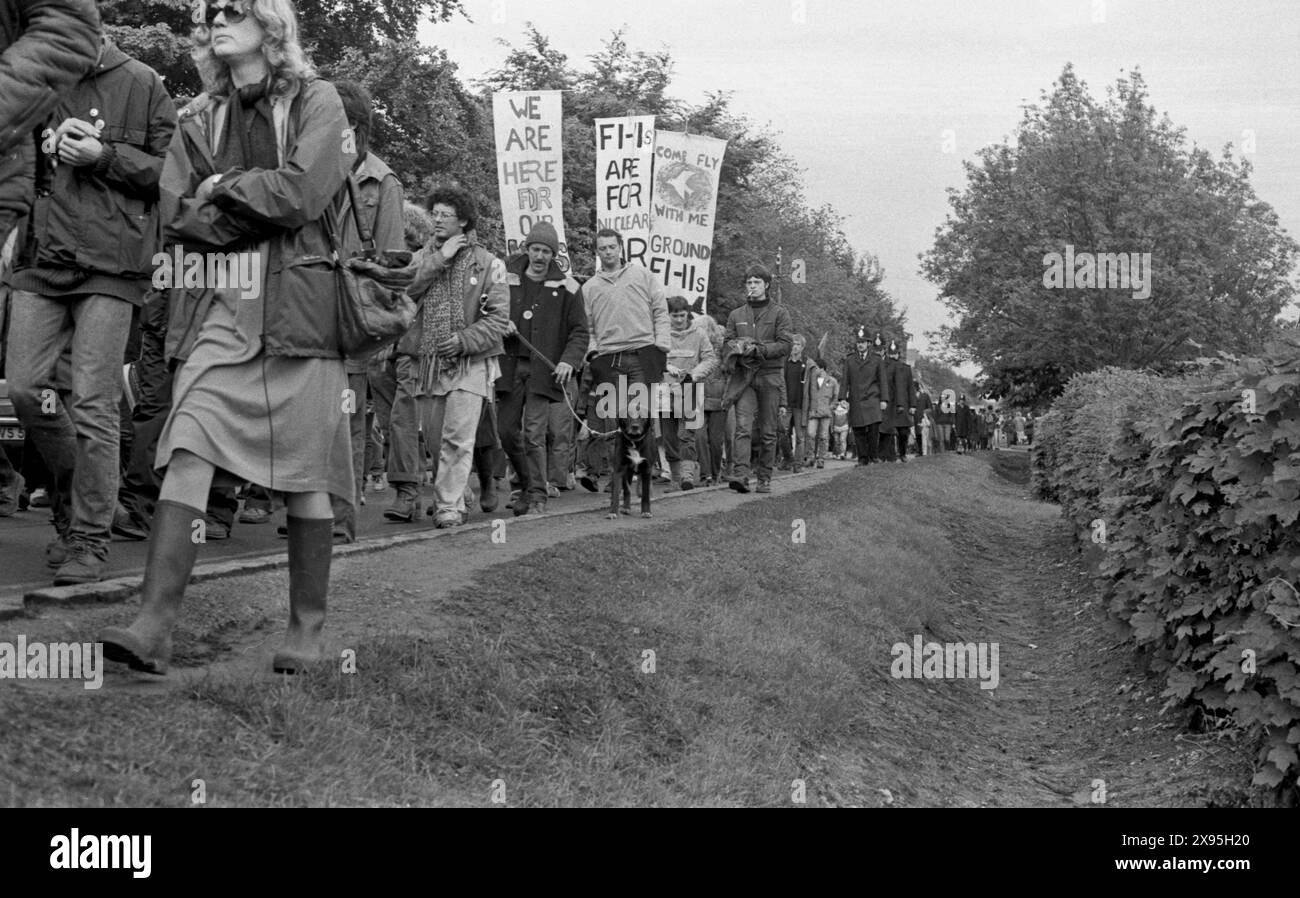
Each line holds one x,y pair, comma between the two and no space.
756,417
79,441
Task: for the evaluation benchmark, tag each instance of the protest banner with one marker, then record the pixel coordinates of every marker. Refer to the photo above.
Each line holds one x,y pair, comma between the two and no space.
624,157
530,168
682,210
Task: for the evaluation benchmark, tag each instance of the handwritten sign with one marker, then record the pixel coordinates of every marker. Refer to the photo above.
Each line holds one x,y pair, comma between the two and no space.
530,165
624,156
683,204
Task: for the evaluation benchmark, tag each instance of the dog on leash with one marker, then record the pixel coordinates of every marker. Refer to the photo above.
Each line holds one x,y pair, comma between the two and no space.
634,446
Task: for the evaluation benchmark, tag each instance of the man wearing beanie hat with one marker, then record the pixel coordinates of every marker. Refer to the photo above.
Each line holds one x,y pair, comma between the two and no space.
867,389
546,309
630,333
760,335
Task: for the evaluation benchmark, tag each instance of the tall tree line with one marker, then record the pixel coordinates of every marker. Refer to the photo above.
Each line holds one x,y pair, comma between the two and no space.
432,126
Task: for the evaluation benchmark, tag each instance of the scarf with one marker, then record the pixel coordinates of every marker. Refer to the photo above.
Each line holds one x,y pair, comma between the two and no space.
248,139
444,314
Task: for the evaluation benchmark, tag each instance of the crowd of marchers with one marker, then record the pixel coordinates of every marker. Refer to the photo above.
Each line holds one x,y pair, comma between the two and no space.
162,412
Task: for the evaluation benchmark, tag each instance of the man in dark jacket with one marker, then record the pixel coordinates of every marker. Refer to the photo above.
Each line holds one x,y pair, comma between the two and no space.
789,444
759,334
965,426
46,46
87,263
867,389
547,310
903,388
380,195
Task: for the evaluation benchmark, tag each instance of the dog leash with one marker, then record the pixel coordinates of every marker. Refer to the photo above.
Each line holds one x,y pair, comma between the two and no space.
599,434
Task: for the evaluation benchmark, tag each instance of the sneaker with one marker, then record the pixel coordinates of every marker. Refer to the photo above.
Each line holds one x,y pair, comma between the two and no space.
741,485
127,525
552,491
377,483
589,483
764,486
83,565
254,514
216,529
56,551
40,498
446,519
688,483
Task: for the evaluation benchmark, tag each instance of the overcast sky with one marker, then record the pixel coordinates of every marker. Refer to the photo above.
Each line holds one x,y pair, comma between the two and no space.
863,92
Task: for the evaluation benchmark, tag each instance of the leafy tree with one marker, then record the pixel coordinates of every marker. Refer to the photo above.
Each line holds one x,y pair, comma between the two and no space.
156,32
1104,177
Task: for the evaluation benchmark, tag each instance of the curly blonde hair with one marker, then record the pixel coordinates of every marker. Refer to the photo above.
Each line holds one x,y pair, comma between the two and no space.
284,55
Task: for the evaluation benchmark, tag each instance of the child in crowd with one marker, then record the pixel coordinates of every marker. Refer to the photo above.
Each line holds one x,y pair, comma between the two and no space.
840,430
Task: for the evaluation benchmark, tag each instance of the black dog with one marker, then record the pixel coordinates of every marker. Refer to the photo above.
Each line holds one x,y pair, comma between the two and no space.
634,446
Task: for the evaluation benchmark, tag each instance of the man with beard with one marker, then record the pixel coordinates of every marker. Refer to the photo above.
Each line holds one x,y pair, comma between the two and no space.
546,309
867,390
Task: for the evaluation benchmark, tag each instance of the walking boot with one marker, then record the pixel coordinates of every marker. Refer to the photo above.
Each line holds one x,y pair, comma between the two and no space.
146,645
310,548
406,507
674,476
688,475
487,486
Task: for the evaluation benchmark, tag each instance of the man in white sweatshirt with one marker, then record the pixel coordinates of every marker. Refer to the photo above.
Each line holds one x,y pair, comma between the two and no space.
630,334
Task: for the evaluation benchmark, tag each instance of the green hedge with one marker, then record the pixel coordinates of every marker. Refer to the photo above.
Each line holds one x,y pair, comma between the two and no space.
1202,551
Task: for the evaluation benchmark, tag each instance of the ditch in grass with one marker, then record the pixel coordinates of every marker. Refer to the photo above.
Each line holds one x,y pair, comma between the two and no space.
771,664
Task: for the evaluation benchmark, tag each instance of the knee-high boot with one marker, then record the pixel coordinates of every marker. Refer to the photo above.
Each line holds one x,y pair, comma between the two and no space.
485,462
310,549
147,644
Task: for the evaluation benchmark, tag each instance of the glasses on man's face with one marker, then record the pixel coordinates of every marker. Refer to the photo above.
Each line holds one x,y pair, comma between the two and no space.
442,216
235,13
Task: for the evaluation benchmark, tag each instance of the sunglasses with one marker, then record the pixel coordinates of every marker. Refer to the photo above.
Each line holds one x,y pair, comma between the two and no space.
235,13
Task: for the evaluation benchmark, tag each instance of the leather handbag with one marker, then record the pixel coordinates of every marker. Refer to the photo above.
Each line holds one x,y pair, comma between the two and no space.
373,308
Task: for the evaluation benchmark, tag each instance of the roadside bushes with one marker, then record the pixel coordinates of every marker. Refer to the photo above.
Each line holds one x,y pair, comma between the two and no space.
1197,483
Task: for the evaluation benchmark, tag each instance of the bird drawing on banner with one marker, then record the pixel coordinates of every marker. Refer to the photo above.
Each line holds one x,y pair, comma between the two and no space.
681,184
